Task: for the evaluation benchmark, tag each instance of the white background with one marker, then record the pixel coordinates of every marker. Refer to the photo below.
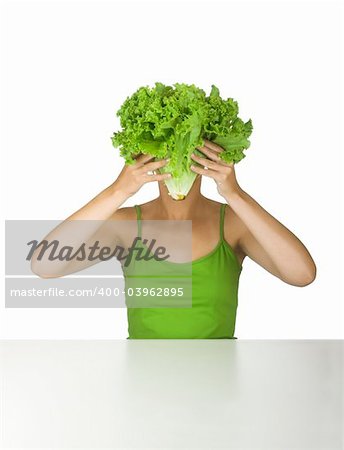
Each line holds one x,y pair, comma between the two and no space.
67,68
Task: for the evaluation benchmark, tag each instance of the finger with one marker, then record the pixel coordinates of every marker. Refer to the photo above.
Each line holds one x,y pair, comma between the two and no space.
208,163
153,165
215,147
210,153
217,158
204,172
157,177
213,156
142,159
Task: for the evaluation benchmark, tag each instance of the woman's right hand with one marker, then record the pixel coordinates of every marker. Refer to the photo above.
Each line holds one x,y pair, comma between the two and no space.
134,176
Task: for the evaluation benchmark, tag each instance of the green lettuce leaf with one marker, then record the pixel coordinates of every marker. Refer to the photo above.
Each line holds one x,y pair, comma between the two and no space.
171,121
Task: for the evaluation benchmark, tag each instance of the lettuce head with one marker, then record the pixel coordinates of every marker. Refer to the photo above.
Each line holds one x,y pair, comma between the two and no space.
171,121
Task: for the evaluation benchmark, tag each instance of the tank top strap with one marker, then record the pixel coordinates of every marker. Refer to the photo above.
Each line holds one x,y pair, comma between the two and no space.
138,216
222,220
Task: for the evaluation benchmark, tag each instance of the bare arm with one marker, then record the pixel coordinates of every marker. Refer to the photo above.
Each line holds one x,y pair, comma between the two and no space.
264,239
270,244
92,222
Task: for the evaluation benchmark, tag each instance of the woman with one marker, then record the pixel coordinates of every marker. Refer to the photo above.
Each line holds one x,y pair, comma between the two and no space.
223,235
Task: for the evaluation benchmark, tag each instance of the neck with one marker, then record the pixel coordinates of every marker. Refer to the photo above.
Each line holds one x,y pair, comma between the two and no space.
180,209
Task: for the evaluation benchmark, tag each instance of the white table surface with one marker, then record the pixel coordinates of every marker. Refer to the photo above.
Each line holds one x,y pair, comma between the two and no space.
172,394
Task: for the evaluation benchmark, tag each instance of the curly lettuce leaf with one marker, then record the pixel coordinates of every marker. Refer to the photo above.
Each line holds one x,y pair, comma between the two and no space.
171,121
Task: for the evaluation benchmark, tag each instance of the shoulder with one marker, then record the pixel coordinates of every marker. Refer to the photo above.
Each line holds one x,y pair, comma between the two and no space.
211,207
232,219
122,225
125,213
129,212
234,228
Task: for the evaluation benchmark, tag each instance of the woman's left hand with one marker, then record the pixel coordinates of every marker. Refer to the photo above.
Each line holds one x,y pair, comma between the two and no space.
223,173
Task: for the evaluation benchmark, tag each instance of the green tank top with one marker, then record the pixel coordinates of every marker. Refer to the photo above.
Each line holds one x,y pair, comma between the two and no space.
215,280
